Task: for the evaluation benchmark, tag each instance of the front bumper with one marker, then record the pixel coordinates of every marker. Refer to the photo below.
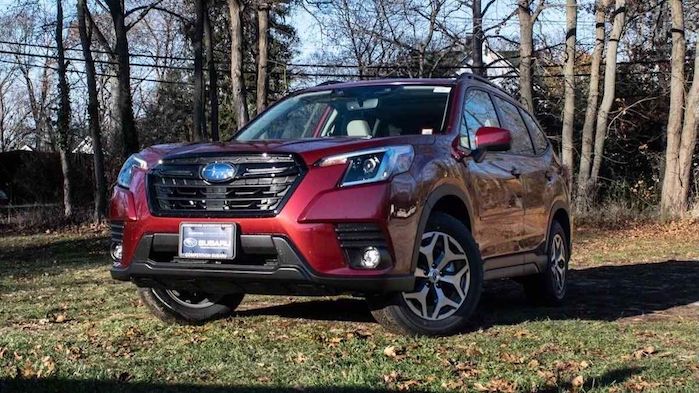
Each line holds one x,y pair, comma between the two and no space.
275,268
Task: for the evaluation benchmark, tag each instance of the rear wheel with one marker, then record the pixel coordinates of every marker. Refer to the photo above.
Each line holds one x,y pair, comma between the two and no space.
448,283
550,286
188,307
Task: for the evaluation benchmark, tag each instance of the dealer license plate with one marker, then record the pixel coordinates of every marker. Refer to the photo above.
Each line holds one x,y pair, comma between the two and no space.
207,241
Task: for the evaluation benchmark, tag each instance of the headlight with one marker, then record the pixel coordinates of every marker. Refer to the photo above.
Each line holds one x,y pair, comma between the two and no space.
127,171
373,165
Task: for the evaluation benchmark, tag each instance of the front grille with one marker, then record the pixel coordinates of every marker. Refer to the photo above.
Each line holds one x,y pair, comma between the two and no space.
261,186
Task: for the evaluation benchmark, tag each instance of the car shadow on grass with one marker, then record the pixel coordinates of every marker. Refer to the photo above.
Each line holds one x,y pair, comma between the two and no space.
611,377
606,293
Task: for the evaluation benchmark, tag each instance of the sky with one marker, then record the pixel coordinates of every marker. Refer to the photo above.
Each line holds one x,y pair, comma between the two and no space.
551,23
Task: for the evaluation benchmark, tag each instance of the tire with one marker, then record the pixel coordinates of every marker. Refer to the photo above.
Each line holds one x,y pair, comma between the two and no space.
184,308
550,286
420,312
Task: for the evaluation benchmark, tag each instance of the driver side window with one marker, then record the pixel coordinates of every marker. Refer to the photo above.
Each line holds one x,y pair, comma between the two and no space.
478,111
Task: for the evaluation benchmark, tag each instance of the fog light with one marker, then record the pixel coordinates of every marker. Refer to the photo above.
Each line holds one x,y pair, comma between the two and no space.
370,258
116,251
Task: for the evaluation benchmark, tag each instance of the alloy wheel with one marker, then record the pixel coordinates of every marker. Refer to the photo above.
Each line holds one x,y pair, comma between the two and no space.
558,263
442,278
190,299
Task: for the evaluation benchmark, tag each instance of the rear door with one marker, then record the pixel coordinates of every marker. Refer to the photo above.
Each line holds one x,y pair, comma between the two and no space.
496,191
539,187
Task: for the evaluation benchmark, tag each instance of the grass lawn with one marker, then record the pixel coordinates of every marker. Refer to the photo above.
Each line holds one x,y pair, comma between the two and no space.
631,325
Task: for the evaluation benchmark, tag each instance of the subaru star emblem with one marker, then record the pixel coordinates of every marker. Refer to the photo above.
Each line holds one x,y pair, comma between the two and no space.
218,172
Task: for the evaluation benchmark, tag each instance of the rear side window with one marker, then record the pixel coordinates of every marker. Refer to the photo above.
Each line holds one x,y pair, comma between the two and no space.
538,137
512,120
478,112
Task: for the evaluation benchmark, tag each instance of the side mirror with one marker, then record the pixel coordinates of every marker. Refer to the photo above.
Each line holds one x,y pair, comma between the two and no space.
493,139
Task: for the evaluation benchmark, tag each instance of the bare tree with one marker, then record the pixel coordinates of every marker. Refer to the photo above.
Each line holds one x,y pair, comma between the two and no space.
64,134
609,94
213,77
527,18
592,103
569,106
689,136
670,202
198,48
262,53
238,93
93,114
477,38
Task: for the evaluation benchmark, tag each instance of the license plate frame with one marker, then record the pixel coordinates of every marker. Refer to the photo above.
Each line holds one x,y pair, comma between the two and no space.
207,241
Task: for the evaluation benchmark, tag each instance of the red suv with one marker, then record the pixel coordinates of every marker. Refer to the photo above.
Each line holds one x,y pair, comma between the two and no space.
410,193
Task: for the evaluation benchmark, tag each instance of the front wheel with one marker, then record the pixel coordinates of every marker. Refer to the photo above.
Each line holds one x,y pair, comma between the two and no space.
188,307
448,284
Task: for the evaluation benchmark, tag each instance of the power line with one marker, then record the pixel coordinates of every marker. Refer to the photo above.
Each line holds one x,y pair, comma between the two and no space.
291,64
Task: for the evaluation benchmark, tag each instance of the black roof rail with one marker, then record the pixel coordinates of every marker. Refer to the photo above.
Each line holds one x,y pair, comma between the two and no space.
467,75
334,82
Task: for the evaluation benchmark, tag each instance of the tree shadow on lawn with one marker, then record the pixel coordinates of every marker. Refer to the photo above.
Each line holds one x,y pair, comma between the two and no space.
604,293
36,260
611,377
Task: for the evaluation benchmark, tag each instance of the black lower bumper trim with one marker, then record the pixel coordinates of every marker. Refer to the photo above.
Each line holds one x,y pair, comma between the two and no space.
290,276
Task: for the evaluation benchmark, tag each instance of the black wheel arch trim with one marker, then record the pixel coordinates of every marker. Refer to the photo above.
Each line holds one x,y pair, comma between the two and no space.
557,206
435,195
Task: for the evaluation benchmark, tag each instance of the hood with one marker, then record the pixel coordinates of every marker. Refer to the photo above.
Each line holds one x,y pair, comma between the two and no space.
311,150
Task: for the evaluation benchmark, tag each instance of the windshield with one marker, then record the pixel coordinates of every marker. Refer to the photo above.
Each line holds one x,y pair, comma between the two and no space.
359,112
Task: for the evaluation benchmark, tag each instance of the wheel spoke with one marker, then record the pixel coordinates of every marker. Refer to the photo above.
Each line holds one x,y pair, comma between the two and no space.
442,301
455,281
448,255
428,250
421,298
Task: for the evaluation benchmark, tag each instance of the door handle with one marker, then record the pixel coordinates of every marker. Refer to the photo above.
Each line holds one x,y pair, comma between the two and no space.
515,172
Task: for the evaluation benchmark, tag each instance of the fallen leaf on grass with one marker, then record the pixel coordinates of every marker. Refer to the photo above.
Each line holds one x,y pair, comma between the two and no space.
394,380
512,359
47,368
394,352
549,377
466,370
644,352
638,384
577,383
496,386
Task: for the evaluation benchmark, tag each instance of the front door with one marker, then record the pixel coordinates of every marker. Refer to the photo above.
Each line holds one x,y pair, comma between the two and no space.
496,188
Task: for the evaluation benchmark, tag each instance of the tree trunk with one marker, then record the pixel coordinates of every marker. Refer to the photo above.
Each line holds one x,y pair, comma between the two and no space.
609,88
93,115
689,137
526,49
199,121
237,80
63,113
591,111
262,55
569,106
213,77
670,204
127,125
477,39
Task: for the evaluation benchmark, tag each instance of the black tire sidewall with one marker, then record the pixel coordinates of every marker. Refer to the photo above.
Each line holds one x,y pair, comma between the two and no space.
168,309
400,311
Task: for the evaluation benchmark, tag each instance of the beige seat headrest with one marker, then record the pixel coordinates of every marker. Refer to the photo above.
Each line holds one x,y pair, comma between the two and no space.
358,128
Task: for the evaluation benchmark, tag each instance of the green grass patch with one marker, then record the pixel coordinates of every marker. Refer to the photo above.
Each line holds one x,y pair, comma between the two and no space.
66,326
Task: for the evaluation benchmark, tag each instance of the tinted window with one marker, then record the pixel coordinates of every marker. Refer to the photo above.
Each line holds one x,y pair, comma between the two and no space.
478,112
512,120
538,137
